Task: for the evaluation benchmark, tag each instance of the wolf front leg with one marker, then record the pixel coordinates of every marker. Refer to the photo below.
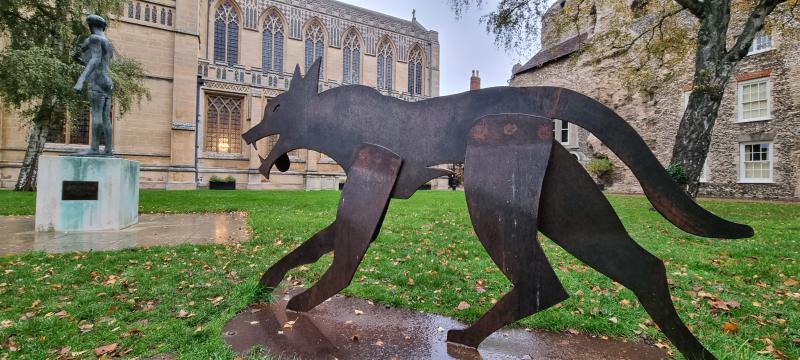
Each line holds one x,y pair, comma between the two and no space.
362,207
506,159
308,252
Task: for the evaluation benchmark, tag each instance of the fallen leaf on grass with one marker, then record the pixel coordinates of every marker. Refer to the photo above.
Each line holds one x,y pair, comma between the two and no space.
462,306
730,328
790,282
723,305
216,301
105,349
85,326
183,314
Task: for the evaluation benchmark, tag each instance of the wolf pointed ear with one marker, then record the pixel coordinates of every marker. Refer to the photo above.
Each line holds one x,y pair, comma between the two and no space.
311,80
297,79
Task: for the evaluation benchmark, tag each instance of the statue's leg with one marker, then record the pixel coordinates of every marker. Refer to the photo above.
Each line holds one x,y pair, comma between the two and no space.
506,159
97,103
108,128
577,216
307,253
363,204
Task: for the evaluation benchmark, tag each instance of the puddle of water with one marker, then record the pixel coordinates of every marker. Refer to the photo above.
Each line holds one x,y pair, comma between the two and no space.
334,331
152,230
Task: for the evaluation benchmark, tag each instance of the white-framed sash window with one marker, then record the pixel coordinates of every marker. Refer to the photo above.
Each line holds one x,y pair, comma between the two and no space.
762,42
756,162
755,100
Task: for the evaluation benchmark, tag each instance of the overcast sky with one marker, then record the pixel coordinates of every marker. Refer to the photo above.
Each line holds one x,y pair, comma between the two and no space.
465,45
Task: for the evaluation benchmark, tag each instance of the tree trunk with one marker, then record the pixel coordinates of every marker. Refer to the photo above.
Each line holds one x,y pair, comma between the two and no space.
712,73
41,126
27,174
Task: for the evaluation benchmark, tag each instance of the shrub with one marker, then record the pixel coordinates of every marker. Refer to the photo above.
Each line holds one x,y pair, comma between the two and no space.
678,174
217,179
599,167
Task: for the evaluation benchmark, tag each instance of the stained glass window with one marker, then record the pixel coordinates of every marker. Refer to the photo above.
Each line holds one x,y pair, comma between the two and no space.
415,72
272,41
351,50
223,124
385,65
226,34
315,45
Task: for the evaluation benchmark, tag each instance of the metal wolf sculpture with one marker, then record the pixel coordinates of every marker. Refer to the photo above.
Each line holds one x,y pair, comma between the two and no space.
517,179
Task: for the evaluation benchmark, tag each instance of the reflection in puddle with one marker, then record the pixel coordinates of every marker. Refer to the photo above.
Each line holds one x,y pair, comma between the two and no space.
335,330
152,230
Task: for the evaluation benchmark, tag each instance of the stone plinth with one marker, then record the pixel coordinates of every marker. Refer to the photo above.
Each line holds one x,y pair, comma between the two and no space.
77,193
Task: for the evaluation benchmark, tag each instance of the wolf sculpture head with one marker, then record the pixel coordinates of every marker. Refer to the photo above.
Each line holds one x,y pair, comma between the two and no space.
284,116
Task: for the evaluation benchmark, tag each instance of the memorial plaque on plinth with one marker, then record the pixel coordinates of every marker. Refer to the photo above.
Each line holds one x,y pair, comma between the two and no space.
78,193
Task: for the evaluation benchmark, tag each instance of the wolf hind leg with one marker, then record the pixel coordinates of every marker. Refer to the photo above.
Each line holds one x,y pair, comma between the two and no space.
362,207
578,217
308,252
505,163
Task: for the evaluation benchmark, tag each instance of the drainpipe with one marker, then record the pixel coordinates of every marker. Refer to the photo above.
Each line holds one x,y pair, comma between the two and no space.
200,83
208,26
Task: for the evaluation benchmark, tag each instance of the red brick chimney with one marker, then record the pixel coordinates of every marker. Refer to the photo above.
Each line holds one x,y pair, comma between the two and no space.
475,80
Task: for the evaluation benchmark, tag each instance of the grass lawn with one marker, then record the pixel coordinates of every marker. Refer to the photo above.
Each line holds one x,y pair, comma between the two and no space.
176,300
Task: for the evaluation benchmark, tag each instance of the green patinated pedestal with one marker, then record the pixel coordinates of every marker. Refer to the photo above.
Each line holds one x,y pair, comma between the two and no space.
77,193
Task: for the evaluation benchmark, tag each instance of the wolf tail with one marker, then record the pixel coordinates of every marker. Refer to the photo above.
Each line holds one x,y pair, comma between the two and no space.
671,201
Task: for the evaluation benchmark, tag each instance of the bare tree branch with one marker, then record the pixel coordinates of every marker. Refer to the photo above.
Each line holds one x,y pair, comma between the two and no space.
620,49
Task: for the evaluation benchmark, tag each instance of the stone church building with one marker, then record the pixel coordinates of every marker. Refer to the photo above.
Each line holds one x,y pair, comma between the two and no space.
214,65
755,148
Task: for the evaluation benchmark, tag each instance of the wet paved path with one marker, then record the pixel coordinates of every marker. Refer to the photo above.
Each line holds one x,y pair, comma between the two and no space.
17,234
334,330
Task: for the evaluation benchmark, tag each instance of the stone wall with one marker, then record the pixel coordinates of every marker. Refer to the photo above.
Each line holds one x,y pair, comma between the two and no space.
657,116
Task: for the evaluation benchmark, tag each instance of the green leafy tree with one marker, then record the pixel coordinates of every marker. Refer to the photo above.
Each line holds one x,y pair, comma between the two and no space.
37,72
653,39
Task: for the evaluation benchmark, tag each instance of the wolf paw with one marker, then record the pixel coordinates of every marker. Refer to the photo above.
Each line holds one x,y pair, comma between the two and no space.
462,337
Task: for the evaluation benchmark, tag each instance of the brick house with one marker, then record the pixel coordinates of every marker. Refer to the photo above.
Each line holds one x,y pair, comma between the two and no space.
755,147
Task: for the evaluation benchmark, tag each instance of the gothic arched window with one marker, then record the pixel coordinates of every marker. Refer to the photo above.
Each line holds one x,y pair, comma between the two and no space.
315,45
226,34
351,51
415,72
223,124
272,41
385,65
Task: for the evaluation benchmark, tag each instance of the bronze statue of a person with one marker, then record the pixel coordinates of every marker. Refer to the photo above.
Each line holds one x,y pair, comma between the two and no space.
96,53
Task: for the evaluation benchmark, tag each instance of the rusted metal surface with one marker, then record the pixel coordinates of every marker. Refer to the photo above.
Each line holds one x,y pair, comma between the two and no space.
334,331
517,178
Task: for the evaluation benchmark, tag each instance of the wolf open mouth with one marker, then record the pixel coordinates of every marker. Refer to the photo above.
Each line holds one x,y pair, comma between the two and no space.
278,156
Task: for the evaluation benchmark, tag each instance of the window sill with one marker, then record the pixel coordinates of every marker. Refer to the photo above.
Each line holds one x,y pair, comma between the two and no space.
756,181
760,51
768,118
223,156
